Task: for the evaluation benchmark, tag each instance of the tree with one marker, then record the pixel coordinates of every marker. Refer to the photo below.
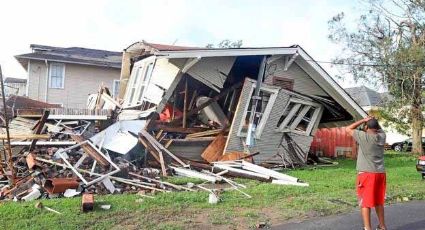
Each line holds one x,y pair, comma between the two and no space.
388,47
226,44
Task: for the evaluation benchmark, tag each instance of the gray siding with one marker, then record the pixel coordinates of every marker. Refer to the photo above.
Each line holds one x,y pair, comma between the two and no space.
80,81
207,70
303,83
270,140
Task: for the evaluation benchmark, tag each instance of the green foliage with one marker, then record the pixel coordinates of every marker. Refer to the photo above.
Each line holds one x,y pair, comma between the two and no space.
331,191
226,44
388,48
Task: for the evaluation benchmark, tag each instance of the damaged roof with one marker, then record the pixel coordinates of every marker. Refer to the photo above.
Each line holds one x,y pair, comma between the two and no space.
75,55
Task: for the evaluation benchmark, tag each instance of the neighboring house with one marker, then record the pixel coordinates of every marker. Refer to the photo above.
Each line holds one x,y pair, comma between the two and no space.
297,96
371,100
15,86
66,76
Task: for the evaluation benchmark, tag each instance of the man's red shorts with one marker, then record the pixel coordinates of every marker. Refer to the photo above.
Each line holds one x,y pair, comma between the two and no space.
371,189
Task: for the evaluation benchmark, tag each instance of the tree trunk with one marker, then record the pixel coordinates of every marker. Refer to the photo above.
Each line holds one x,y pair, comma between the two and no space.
417,118
417,126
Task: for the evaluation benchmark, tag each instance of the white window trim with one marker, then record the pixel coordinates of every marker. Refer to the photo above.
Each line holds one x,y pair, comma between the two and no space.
145,83
139,81
50,75
317,113
114,89
266,114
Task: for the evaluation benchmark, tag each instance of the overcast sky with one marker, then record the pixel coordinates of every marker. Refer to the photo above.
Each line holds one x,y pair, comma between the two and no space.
113,25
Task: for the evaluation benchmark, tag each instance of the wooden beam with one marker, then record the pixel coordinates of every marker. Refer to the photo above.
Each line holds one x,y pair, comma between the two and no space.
150,149
39,128
25,136
90,150
185,104
166,128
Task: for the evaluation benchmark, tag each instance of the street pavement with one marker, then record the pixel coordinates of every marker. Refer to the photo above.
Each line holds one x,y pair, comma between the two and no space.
402,216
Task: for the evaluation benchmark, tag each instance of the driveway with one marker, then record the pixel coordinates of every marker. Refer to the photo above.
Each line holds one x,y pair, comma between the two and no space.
409,215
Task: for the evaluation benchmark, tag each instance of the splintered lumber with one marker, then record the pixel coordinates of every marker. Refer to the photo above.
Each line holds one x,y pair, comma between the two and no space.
228,173
240,171
39,128
206,133
25,136
185,104
194,174
214,150
178,187
171,129
90,150
236,156
150,149
154,142
276,175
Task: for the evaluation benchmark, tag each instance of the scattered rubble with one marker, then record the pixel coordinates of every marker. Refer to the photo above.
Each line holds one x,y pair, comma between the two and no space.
203,123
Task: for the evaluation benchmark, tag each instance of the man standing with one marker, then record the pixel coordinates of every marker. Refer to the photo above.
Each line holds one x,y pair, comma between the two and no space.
371,178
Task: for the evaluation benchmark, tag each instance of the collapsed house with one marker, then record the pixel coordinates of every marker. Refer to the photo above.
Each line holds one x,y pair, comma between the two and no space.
208,103
210,114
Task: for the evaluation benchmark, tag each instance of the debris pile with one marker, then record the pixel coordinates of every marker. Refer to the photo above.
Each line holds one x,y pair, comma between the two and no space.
81,155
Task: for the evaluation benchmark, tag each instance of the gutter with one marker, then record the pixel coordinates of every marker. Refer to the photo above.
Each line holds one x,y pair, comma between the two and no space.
47,80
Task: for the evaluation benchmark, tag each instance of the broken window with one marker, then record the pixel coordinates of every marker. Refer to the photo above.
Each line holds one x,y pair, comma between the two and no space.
299,116
261,113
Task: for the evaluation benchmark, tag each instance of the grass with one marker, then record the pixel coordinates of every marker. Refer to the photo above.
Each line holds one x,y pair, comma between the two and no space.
331,191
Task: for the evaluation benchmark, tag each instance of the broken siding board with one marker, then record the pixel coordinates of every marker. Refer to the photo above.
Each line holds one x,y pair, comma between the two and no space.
207,70
302,81
270,138
214,151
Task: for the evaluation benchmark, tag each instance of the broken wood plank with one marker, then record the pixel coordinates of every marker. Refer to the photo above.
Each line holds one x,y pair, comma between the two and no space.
198,165
149,149
167,128
90,150
39,128
25,136
185,104
154,142
215,149
206,133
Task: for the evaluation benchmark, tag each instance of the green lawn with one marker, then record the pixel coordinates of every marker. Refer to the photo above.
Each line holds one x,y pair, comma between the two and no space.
331,191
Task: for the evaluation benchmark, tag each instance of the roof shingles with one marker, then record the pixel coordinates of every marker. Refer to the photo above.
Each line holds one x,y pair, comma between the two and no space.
77,55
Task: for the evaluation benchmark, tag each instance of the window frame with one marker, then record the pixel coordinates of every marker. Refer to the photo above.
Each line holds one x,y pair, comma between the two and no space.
63,75
307,105
266,113
114,89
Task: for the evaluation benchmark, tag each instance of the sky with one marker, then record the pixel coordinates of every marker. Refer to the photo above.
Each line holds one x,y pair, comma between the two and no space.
114,25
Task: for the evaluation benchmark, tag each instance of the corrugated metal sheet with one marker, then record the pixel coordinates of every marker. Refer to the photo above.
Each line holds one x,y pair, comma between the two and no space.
302,81
333,142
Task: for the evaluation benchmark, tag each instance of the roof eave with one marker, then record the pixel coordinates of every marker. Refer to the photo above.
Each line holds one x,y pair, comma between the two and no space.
225,52
64,61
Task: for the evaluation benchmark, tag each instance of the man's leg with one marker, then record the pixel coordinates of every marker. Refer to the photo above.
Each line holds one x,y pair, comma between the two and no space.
366,218
381,217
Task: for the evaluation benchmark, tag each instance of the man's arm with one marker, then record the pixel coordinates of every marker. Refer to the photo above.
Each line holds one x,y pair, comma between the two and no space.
350,129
